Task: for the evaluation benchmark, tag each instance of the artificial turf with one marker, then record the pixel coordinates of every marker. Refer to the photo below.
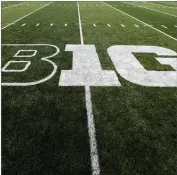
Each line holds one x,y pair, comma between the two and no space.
44,127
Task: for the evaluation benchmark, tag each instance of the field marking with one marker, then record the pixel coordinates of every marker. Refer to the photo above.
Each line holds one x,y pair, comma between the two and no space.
26,15
176,26
4,69
44,59
136,25
23,24
169,4
66,24
122,25
108,25
51,24
152,9
94,25
13,5
163,5
37,24
17,54
140,21
164,26
80,25
90,117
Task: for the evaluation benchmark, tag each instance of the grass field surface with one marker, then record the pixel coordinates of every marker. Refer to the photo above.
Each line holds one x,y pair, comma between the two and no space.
50,128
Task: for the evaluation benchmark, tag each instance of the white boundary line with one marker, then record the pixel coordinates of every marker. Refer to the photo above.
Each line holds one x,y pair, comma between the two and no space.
25,16
90,117
152,9
13,5
140,21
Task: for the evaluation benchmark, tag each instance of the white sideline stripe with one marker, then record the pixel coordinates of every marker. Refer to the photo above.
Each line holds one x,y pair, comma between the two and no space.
51,24
13,5
152,10
94,25
90,117
164,26
23,24
37,24
136,25
108,25
26,15
122,25
66,25
141,21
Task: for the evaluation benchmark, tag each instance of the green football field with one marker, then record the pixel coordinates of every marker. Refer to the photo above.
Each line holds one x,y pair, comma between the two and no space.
89,88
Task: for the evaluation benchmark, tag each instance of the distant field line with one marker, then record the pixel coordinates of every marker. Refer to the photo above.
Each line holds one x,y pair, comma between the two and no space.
13,5
164,2
151,9
140,21
26,16
90,117
162,5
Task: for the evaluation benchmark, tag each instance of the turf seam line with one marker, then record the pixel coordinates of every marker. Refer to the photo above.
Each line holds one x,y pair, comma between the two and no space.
90,117
13,5
152,10
140,21
26,15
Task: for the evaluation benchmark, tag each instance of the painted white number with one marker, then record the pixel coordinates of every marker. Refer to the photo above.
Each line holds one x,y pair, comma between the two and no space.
86,69
130,68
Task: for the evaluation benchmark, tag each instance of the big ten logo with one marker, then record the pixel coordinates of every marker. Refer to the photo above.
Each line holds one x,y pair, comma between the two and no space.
86,66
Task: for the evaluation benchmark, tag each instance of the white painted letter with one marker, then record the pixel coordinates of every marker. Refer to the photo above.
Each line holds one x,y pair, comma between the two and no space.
130,68
87,69
31,53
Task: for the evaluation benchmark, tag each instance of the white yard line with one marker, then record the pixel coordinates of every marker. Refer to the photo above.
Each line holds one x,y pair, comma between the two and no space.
122,25
136,25
176,26
141,21
13,5
108,25
152,10
90,117
37,24
80,25
26,16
